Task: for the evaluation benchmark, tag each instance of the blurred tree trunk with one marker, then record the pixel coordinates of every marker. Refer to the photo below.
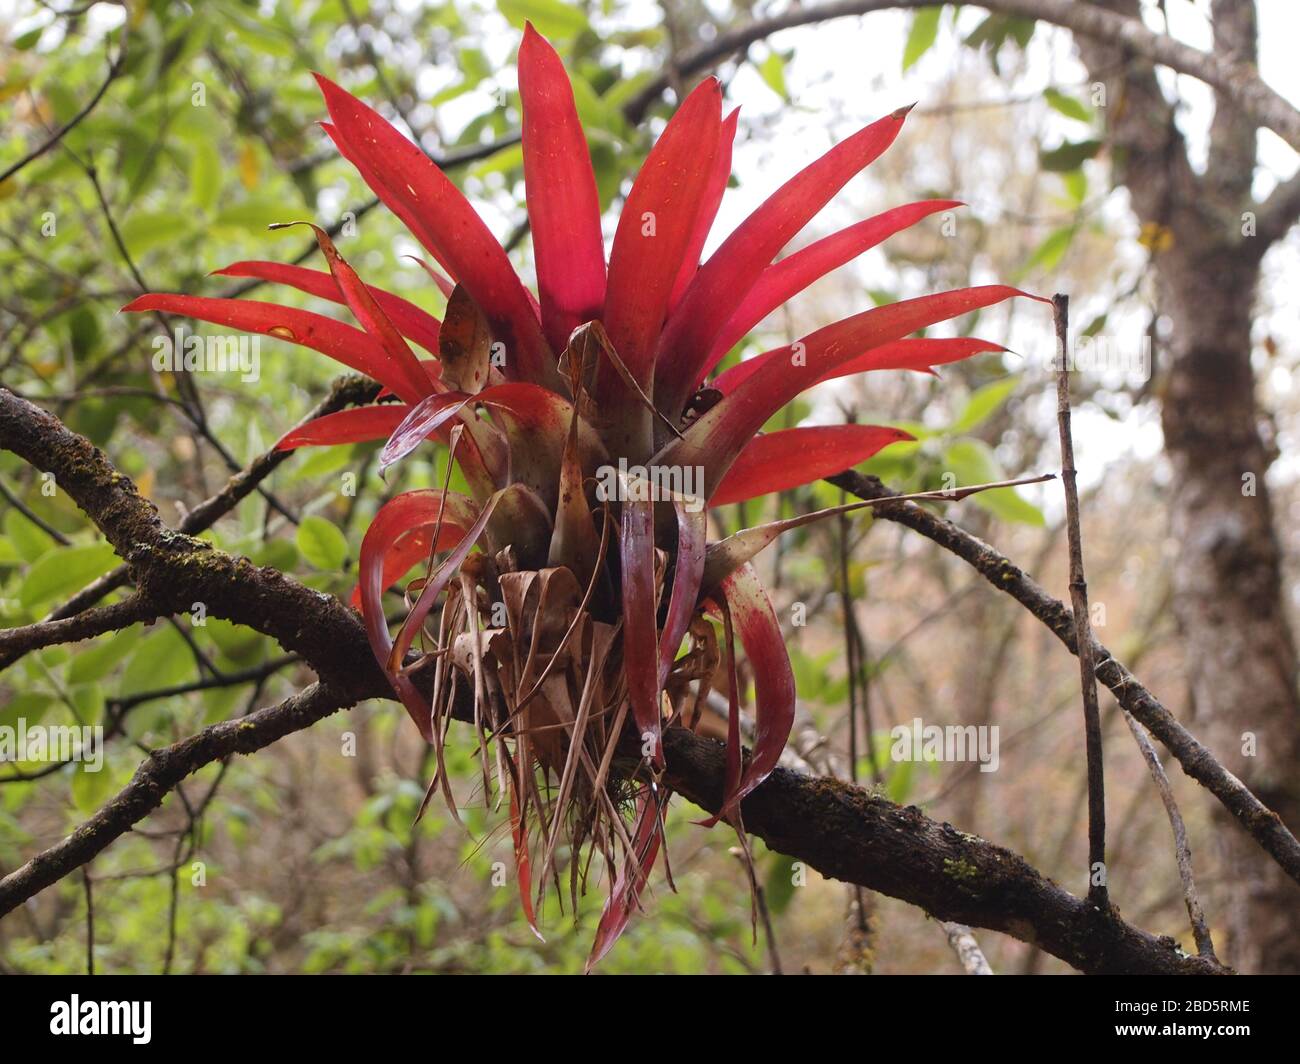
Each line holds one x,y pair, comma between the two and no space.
1240,654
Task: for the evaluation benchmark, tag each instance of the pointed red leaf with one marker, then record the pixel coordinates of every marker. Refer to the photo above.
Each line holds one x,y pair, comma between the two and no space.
918,354
405,366
777,284
718,436
346,426
412,321
435,210
339,341
708,207
731,271
655,227
774,695
788,458
563,205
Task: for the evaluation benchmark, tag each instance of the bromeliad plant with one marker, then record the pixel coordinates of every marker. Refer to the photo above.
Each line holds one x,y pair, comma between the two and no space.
584,607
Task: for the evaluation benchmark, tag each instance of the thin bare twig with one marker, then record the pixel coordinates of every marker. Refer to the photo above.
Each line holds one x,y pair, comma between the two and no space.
1182,852
1082,622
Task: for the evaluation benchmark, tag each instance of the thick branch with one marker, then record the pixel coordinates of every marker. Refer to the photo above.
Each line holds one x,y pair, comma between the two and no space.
842,831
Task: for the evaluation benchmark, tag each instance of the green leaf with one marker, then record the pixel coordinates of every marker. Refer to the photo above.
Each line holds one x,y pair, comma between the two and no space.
779,889
973,462
1068,105
923,33
1007,505
772,71
1049,253
1069,156
98,661
160,660
63,570
551,18
90,788
983,403
321,543
205,175
28,540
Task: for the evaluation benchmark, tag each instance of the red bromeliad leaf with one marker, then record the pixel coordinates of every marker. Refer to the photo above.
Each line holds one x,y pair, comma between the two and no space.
563,205
708,208
422,420
536,423
774,697
413,545
436,211
732,270
419,325
367,311
718,436
788,458
442,576
394,519
919,354
654,230
640,645
346,426
692,532
445,284
625,894
787,278
339,341
523,866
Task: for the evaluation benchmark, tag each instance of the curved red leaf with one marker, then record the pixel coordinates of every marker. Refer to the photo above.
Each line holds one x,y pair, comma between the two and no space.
918,354
774,695
656,225
394,519
718,436
339,341
412,321
726,278
346,426
788,458
787,278
435,210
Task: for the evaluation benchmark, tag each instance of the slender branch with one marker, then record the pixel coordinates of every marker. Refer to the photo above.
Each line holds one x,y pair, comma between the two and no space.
1260,822
968,951
1239,82
1082,621
15,642
114,70
1182,852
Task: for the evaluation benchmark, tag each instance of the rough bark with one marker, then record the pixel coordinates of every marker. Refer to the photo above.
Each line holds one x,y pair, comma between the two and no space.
1240,653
